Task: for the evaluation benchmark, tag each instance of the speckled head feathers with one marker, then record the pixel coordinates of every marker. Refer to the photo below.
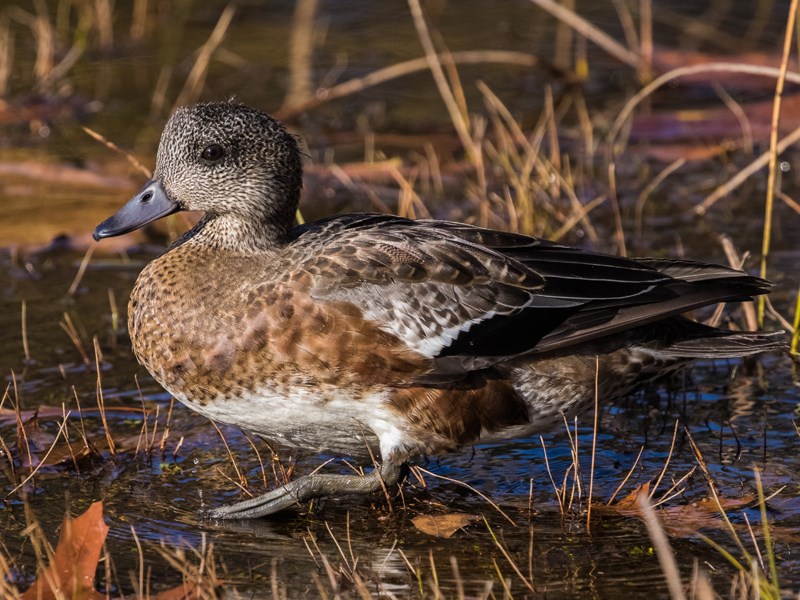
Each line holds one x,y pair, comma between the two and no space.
226,158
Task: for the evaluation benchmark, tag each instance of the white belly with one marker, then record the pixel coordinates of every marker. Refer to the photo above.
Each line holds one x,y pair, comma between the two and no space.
333,423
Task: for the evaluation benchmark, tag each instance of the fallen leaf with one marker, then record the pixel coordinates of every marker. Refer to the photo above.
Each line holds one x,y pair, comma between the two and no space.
71,573
688,519
73,454
631,501
443,526
32,440
680,519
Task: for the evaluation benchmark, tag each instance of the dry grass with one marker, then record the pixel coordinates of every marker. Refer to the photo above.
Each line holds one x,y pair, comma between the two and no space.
343,573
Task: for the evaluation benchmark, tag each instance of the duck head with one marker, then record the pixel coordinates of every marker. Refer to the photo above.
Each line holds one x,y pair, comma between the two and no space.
228,160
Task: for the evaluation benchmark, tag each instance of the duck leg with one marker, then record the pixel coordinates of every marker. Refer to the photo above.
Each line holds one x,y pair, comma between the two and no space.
309,487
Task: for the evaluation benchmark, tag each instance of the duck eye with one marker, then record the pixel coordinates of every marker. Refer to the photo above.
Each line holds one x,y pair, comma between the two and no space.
212,153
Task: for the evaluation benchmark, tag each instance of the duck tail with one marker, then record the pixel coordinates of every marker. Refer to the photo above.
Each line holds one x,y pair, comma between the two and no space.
718,344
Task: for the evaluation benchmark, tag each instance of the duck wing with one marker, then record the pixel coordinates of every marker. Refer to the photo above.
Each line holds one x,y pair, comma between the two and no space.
470,298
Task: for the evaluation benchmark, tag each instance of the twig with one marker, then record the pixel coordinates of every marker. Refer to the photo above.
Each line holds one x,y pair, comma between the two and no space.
591,32
435,65
301,46
472,489
61,430
401,69
81,270
666,462
628,476
507,556
24,318
197,76
715,67
741,176
101,405
112,146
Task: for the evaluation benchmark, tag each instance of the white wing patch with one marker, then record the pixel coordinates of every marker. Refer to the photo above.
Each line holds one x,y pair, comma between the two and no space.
427,317
434,326
429,338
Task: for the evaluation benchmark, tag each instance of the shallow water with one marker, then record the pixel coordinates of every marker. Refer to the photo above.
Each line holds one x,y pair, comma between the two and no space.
741,416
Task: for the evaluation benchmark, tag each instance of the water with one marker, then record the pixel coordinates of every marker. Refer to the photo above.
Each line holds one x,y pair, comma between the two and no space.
740,415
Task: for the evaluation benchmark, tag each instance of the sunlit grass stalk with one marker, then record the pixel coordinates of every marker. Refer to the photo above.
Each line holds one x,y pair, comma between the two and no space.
24,318
472,489
100,401
528,583
20,423
666,558
6,53
627,477
197,76
138,20
114,312
593,33
7,589
134,162
666,462
713,488
62,430
460,123
594,441
69,327
796,325
626,21
644,69
103,13
301,47
772,178
239,474
138,585
741,116
165,435
45,42
773,567
81,422
87,257
402,69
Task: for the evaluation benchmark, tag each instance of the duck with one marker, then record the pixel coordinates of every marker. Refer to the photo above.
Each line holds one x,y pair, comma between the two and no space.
375,335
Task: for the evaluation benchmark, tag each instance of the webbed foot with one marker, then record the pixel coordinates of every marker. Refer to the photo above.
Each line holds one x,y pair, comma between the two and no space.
309,487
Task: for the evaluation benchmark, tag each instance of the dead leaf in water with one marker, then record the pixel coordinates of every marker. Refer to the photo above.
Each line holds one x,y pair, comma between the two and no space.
32,440
71,574
444,526
680,519
688,519
630,503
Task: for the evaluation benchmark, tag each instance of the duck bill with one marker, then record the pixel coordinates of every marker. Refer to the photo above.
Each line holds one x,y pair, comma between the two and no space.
150,204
